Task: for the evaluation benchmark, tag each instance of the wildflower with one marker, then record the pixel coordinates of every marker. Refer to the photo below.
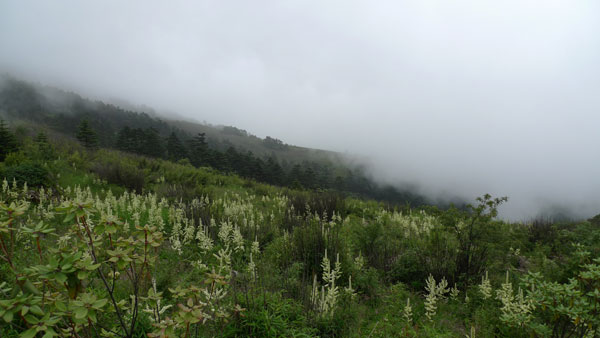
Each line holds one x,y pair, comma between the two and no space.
252,267
454,292
407,313
436,291
255,246
326,299
485,287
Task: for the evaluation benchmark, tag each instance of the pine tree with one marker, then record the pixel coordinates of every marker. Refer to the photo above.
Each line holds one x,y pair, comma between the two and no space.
41,138
199,152
295,176
308,178
44,147
232,160
8,143
274,172
175,149
125,140
87,136
153,145
258,172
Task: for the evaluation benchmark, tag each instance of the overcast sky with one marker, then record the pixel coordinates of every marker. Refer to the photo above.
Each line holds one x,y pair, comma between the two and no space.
462,97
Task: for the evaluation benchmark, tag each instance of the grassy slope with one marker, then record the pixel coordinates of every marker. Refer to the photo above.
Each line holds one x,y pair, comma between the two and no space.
289,227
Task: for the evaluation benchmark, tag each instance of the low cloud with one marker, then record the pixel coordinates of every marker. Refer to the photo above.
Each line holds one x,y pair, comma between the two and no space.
461,98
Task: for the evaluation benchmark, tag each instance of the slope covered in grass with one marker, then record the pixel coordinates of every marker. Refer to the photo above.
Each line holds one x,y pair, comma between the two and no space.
105,243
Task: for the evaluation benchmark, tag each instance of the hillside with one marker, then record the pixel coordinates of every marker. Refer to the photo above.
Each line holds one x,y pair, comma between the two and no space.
102,243
228,148
63,110
299,169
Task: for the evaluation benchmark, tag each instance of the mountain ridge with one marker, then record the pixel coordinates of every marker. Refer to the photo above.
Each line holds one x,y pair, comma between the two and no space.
229,149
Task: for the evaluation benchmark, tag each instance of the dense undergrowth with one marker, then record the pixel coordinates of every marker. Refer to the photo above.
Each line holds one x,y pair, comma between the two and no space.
107,244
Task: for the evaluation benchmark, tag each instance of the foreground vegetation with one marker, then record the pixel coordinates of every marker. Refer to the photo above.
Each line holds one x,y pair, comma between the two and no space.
102,243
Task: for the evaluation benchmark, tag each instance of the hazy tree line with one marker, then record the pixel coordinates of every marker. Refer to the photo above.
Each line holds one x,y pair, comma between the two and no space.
97,124
304,175
196,150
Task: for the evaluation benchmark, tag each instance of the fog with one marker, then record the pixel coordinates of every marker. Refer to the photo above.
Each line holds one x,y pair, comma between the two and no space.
459,97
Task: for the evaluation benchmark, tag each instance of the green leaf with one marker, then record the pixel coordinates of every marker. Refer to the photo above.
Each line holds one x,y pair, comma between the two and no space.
61,277
8,317
99,229
92,315
60,306
81,313
69,218
100,303
29,333
31,319
31,288
49,334
81,274
36,310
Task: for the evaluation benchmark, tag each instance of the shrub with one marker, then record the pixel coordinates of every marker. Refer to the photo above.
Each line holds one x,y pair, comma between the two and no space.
121,174
324,204
16,158
273,317
33,174
408,269
542,230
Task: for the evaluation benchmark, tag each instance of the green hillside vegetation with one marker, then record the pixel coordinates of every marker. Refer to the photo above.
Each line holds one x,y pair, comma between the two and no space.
104,243
227,149
226,136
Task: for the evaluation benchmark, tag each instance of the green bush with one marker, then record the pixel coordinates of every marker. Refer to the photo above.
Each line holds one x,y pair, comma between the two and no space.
122,174
272,316
16,158
408,269
33,174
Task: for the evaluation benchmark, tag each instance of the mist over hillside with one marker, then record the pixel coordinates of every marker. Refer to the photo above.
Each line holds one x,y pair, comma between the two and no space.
26,100
225,148
300,168
438,186
457,99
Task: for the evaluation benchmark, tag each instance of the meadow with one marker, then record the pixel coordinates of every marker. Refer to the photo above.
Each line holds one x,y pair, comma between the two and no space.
102,243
